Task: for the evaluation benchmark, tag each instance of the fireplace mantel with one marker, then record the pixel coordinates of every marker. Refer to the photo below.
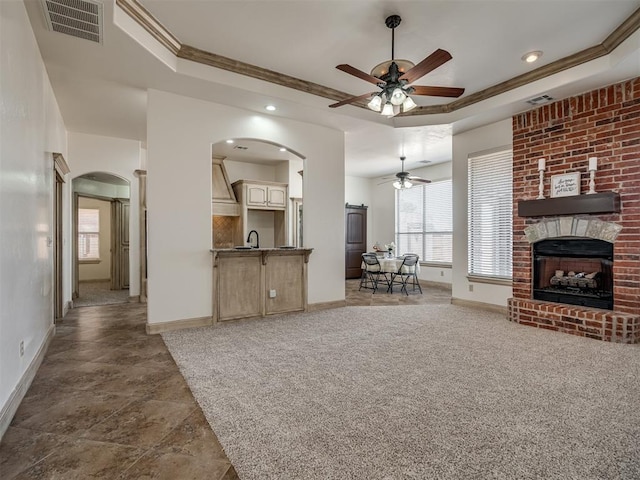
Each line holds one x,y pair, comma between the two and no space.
607,202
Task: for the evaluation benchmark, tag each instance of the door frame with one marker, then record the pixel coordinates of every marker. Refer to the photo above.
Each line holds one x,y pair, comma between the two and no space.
60,170
76,262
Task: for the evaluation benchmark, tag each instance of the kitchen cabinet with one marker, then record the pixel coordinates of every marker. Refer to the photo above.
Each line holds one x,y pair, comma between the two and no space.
259,282
271,196
264,207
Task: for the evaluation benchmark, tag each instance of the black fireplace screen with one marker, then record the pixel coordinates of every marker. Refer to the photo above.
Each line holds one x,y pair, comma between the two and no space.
576,271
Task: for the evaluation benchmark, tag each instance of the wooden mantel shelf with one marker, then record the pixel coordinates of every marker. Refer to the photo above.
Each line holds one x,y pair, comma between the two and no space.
607,202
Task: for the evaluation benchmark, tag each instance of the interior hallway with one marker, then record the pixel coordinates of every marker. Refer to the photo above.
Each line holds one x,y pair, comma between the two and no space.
109,402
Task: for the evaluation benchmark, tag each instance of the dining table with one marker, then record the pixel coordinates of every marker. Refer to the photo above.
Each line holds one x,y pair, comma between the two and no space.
392,264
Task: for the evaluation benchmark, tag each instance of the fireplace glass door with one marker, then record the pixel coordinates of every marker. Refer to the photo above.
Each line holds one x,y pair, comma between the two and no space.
575,271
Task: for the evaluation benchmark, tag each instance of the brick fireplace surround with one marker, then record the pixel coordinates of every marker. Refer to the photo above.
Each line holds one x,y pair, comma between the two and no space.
604,123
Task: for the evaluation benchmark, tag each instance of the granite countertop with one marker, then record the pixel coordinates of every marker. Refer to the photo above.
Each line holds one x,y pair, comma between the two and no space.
272,249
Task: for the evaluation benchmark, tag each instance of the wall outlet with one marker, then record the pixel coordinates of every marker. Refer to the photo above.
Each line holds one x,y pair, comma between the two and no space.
442,273
22,348
471,288
272,294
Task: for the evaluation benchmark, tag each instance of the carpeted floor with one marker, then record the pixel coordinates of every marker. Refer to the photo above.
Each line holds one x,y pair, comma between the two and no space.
414,392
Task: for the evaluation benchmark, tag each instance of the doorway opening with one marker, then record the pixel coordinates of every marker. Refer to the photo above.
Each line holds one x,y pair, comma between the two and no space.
101,239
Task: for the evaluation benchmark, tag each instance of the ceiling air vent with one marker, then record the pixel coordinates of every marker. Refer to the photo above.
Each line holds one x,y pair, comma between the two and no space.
240,147
78,18
539,100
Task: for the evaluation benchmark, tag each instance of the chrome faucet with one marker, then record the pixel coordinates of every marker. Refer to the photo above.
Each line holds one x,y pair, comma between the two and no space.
257,245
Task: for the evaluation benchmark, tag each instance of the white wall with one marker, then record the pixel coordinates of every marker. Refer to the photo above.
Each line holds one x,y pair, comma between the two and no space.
31,128
101,270
249,171
120,157
180,132
484,138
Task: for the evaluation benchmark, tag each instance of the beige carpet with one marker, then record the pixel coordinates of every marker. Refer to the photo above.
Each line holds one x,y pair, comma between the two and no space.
414,392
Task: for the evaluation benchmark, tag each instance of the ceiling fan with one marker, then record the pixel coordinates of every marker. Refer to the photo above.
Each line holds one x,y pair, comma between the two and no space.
394,77
404,180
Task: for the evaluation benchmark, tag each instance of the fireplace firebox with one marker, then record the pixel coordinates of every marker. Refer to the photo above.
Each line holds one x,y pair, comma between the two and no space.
575,271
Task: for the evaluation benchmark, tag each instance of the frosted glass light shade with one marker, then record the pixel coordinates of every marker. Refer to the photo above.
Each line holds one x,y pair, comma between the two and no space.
397,97
387,110
375,104
408,104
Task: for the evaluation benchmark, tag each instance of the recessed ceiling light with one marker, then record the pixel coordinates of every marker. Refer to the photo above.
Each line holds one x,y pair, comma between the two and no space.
271,108
229,141
282,149
531,57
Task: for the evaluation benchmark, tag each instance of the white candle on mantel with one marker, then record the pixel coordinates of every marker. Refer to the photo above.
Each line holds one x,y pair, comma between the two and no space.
541,164
593,163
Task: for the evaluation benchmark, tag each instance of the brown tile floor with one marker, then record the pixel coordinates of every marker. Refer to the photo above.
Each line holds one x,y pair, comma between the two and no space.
431,295
109,402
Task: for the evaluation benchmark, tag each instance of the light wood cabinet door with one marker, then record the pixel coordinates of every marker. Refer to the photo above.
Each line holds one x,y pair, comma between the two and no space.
256,195
277,197
239,287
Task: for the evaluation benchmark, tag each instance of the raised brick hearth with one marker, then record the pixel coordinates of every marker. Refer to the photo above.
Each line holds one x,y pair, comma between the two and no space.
605,124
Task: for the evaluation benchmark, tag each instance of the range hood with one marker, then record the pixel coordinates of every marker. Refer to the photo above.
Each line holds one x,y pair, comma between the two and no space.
223,201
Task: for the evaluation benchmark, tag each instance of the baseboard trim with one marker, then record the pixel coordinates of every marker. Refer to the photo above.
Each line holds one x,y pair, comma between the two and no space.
134,299
95,280
481,305
312,307
432,284
10,408
155,328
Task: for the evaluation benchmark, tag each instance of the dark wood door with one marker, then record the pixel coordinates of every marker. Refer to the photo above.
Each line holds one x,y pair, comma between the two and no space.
356,239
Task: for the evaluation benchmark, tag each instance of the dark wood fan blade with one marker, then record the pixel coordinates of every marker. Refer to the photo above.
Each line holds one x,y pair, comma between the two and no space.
430,63
419,180
360,74
351,100
437,91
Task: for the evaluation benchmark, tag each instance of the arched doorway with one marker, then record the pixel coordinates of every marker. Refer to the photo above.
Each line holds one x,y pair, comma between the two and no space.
248,159
101,239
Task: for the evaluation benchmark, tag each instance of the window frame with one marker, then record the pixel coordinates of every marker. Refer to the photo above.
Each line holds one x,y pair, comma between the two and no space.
505,212
89,260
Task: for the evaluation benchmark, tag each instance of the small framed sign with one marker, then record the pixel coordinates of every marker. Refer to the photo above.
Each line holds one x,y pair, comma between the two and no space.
565,185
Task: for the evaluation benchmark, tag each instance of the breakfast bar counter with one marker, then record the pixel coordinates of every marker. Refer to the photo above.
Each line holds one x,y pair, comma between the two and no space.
255,282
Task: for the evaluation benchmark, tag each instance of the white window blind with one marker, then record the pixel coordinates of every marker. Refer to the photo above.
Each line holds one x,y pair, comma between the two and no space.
424,221
88,234
490,214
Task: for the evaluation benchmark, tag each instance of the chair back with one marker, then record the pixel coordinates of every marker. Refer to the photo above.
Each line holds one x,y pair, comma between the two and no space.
409,263
371,261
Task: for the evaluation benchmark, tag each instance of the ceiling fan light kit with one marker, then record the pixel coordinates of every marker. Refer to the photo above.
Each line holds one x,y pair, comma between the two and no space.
404,180
394,77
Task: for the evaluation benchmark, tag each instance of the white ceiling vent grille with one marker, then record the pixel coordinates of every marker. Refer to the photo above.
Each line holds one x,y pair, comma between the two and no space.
539,100
78,18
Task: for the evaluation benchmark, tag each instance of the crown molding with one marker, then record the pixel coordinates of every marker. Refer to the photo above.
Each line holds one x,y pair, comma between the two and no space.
147,21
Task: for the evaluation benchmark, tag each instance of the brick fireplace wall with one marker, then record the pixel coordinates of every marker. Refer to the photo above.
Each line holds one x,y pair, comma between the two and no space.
604,123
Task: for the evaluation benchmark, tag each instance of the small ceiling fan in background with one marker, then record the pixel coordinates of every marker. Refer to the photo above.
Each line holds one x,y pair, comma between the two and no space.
403,180
394,77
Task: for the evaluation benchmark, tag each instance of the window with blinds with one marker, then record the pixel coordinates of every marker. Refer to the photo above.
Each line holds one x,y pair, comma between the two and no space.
88,234
490,206
424,221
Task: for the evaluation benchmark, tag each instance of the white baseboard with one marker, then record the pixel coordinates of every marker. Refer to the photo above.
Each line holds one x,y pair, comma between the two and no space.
312,307
481,305
154,328
10,408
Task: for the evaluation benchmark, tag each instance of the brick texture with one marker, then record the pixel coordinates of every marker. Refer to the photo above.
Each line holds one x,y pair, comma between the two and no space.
604,123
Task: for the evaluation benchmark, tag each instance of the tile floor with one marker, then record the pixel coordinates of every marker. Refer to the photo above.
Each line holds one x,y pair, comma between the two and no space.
108,402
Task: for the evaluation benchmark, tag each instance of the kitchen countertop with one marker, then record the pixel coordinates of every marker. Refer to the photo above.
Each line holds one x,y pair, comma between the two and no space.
272,249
